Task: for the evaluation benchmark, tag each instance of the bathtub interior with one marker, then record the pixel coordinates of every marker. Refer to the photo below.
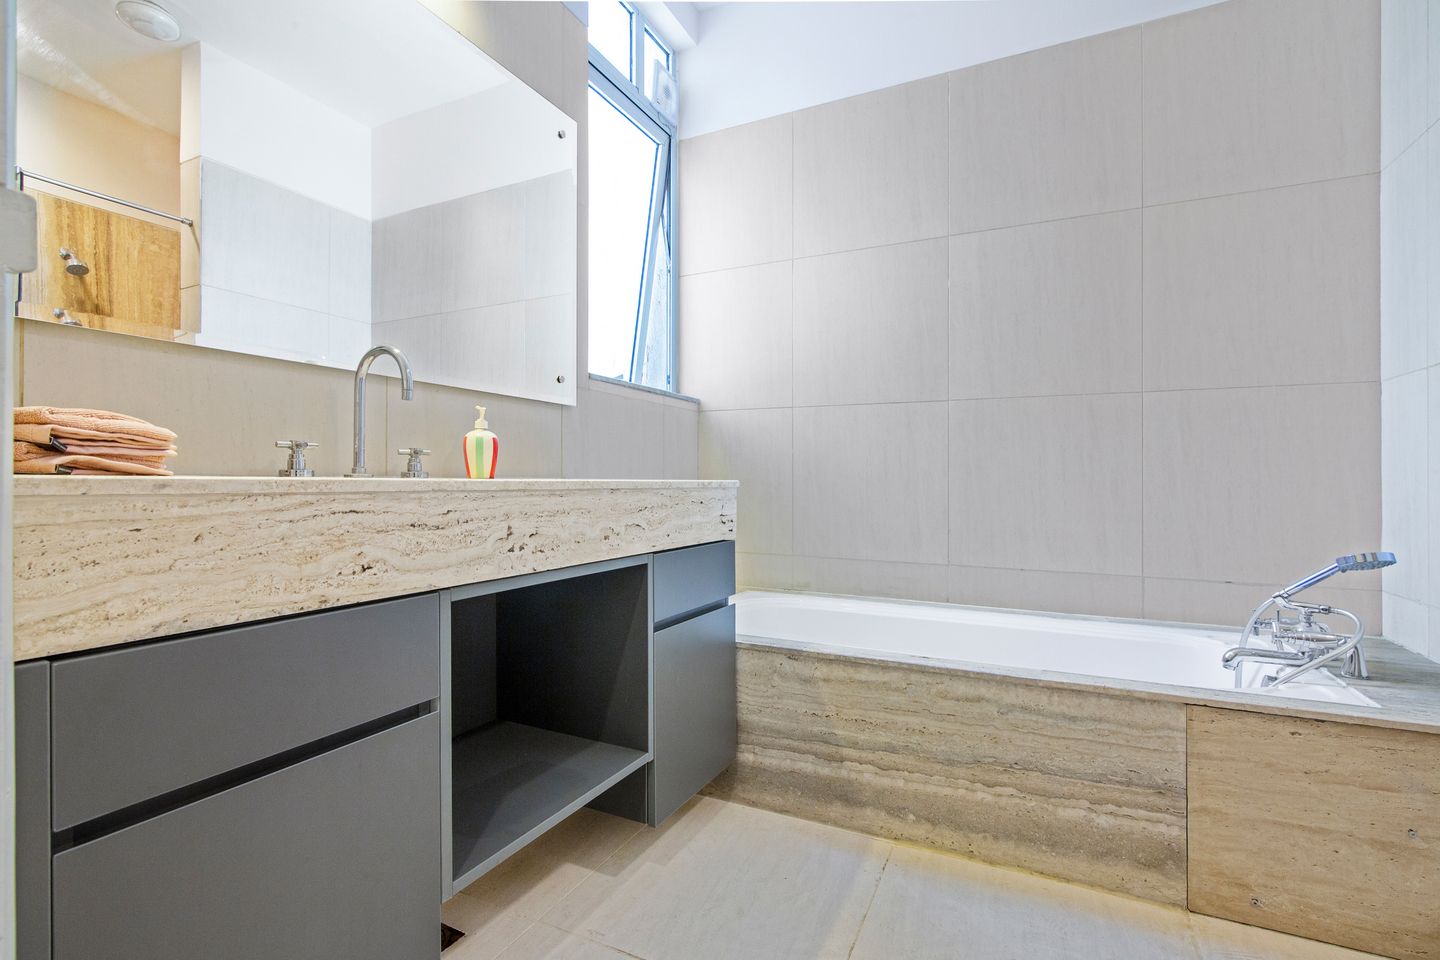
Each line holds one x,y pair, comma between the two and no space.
1133,650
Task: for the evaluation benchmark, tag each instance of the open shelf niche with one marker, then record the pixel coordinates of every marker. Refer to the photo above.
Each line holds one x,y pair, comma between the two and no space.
549,707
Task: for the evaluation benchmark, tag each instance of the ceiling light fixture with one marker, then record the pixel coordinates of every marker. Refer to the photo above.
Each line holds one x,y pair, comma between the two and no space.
148,20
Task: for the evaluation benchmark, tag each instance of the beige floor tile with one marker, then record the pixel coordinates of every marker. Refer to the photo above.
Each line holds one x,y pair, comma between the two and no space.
543,942
930,906
501,905
1223,940
724,881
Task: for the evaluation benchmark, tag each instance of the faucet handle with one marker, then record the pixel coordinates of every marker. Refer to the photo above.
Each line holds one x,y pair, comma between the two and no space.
414,467
295,463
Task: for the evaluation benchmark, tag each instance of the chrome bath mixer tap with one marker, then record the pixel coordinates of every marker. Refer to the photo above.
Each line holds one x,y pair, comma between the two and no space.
1301,641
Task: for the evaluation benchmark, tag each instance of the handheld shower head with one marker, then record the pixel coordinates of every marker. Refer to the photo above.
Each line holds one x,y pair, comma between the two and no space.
1345,564
1365,561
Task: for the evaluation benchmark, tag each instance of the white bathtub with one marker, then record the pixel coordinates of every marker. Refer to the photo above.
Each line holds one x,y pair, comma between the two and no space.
1119,649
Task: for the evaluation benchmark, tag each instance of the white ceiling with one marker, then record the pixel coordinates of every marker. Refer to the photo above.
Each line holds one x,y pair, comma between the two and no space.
372,60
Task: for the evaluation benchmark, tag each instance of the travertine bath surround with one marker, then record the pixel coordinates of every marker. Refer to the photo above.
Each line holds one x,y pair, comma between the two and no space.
1079,785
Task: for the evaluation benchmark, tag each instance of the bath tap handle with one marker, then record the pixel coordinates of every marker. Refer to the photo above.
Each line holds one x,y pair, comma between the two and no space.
414,466
295,464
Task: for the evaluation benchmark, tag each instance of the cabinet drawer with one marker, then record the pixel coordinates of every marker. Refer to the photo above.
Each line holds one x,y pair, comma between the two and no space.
132,724
334,858
694,706
693,578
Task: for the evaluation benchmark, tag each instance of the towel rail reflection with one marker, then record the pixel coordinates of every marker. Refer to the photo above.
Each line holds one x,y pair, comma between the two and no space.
21,175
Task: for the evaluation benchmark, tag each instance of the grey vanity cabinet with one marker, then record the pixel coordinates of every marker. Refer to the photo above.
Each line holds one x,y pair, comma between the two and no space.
266,791
333,858
694,664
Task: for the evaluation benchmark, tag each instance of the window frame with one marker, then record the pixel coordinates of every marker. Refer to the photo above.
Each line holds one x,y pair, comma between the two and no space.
628,96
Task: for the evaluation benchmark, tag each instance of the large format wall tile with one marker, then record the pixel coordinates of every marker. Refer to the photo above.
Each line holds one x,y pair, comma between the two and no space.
1045,309
1432,549
1229,603
262,240
1404,263
1246,484
870,578
1046,484
735,192
870,325
870,169
1049,134
1259,93
1080,785
1405,483
1404,86
349,266
735,339
870,482
754,447
1277,286
618,436
1410,624
1092,594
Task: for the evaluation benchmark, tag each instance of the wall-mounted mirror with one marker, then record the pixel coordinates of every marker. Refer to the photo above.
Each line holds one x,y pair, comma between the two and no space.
300,179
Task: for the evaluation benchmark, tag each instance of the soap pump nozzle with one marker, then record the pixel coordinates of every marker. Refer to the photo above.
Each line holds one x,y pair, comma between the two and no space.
480,423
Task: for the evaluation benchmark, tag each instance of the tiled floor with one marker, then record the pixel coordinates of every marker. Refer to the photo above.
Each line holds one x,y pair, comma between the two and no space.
721,881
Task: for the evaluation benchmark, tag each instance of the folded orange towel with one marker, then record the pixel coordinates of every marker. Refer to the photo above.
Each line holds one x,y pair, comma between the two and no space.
103,422
92,466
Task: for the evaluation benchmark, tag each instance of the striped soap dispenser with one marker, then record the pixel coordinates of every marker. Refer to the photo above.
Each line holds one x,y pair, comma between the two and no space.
482,449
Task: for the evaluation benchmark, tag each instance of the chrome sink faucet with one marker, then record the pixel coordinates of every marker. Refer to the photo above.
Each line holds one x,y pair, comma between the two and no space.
1301,641
407,391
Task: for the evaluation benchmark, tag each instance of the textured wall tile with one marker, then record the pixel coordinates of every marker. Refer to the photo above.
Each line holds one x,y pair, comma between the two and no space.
1260,93
735,195
870,325
1279,286
870,170
1046,309
1046,484
1044,135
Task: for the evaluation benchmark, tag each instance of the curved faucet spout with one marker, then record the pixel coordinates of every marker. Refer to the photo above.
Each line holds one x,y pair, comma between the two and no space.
362,371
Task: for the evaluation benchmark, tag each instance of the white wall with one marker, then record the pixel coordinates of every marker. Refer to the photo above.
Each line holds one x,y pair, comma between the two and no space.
1410,319
756,60
310,148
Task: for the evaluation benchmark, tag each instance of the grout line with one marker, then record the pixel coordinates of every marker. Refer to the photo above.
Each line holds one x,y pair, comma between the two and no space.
879,877
1069,396
1141,312
1028,223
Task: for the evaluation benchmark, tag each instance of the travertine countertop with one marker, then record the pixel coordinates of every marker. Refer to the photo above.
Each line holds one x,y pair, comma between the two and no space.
107,560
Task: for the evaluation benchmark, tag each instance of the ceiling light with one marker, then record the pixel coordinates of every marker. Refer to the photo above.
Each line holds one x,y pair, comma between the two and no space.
148,20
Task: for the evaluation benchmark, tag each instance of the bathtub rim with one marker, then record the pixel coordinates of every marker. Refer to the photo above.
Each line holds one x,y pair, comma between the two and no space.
1407,701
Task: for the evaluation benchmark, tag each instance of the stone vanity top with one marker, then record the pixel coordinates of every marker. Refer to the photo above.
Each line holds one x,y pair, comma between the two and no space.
107,560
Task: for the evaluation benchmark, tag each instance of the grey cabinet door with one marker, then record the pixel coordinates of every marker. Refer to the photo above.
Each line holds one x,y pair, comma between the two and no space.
134,723
692,579
333,858
694,707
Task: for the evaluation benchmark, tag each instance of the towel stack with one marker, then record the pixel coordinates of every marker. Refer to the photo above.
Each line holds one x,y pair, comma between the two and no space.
89,442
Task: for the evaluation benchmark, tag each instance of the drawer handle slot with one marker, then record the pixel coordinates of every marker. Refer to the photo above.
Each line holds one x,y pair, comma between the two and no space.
183,796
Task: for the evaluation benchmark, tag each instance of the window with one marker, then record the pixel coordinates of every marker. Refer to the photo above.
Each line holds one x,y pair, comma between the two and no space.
632,167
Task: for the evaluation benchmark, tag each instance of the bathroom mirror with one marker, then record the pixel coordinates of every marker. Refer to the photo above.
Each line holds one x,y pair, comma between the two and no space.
300,179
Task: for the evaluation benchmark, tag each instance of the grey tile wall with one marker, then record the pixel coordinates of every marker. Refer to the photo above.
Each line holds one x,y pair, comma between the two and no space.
1410,319
1092,329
